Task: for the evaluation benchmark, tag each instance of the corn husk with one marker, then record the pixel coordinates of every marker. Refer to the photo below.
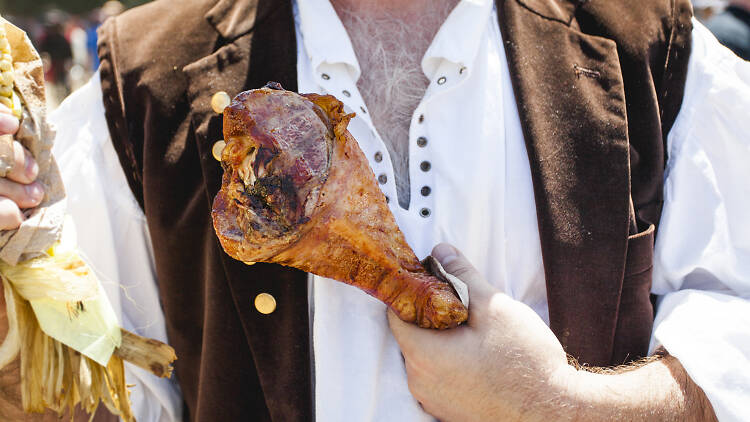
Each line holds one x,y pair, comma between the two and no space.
68,301
42,225
61,324
58,377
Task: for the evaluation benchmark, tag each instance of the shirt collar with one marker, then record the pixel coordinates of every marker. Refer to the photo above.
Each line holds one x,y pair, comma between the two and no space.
326,41
459,37
324,36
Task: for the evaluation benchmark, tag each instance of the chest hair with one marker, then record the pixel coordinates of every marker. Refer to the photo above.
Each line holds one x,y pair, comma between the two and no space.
389,45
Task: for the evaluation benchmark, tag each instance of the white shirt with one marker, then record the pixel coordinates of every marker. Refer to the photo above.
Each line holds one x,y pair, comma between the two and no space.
701,266
113,236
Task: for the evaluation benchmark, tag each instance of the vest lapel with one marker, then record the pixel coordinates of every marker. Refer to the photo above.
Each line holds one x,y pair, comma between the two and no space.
260,46
571,102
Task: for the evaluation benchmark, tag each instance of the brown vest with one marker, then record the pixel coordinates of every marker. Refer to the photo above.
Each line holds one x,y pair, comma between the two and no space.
598,85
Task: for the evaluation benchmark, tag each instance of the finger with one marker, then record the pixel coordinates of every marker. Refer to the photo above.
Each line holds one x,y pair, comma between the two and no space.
8,123
454,262
10,216
25,196
24,168
410,337
400,330
413,381
5,109
416,391
426,386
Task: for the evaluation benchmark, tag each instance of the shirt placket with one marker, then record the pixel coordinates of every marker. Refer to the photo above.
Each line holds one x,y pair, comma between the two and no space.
425,140
336,81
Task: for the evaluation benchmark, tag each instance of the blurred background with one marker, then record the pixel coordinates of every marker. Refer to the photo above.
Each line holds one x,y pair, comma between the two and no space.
64,32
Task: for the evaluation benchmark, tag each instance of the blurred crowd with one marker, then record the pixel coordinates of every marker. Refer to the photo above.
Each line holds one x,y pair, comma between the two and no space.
729,21
67,44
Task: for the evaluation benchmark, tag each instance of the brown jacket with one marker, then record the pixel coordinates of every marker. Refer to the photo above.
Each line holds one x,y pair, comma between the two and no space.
598,84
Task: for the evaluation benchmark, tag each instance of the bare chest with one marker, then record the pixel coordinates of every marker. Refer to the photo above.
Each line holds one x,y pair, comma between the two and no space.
389,50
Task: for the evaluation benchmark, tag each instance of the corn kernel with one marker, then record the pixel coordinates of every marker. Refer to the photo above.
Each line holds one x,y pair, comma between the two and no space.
7,78
17,107
7,96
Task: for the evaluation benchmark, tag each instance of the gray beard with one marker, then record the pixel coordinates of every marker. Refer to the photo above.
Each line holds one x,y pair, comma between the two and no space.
389,49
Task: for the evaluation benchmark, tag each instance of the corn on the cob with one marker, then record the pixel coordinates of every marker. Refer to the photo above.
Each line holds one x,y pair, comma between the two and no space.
57,372
8,96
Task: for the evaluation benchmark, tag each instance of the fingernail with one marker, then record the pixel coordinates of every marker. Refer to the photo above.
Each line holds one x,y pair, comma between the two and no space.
35,191
444,253
32,168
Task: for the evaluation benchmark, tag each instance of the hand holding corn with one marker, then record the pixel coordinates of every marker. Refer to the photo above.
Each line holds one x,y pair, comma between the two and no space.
17,187
61,327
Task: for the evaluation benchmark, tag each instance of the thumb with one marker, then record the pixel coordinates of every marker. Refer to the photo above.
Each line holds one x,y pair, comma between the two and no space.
454,262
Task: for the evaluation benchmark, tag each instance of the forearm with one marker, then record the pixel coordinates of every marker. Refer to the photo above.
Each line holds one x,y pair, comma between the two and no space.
660,390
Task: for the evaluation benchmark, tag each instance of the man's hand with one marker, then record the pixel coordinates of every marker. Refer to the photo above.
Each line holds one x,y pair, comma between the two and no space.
506,364
502,364
17,189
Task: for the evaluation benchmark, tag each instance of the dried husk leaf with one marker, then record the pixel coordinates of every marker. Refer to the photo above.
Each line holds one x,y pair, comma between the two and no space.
54,375
62,277
12,343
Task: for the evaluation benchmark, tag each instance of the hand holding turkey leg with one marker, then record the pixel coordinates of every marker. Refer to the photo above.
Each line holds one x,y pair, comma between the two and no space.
506,364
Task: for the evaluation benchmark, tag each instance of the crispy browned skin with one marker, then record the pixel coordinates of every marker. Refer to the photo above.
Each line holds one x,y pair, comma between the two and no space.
298,191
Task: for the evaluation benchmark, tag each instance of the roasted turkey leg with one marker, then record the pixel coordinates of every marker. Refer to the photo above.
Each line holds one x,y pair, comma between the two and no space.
298,191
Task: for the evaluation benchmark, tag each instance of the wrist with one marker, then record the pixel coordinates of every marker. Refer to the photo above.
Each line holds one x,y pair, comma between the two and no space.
603,394
656,389
560,397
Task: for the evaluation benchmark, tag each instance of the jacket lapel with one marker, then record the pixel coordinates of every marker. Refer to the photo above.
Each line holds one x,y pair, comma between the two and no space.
255,31
571,102
256,43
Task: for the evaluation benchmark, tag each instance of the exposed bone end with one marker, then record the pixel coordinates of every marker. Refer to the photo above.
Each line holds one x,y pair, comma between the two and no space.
246,168
275,162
